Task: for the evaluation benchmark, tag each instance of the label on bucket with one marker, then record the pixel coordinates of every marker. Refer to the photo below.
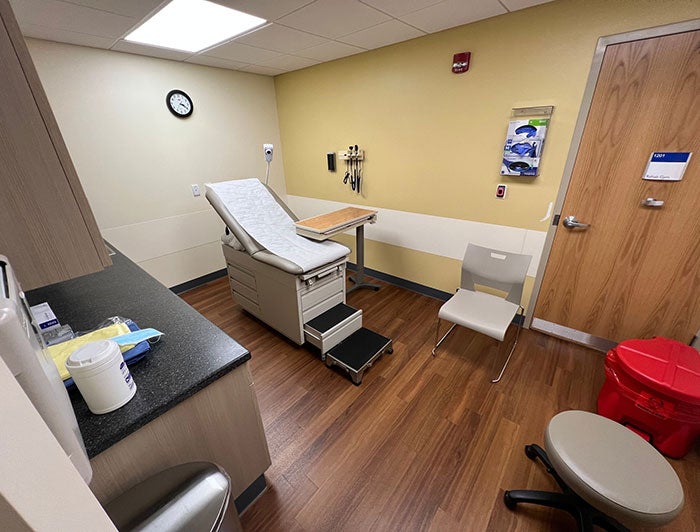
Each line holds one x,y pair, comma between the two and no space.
127,375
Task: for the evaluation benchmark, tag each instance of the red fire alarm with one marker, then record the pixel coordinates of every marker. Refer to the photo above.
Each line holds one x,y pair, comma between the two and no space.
460,62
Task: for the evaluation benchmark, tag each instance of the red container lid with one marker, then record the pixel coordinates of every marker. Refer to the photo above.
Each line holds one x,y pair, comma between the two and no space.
665,365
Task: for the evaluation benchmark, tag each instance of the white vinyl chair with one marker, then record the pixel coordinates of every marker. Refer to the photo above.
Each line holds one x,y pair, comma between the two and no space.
482,312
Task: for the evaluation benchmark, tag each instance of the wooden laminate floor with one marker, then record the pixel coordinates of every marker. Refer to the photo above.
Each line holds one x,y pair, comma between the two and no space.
424,443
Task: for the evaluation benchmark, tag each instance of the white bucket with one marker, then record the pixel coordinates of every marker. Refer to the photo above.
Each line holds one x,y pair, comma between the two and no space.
101,375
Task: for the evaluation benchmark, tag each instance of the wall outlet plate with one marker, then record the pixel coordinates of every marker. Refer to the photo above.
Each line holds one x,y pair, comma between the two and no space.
195,190
267,151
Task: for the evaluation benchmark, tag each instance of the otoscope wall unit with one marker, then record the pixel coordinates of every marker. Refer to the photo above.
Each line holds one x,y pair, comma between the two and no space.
350,155
353,158
525,137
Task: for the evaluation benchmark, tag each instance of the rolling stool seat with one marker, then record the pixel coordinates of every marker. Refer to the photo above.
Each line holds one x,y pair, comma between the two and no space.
190,497
608,474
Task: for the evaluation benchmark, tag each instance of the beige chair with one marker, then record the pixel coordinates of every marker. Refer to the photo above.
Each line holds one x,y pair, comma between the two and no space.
480,311
609,476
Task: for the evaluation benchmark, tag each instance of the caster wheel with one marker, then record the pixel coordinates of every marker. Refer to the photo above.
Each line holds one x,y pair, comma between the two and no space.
508,500
390,351
530,452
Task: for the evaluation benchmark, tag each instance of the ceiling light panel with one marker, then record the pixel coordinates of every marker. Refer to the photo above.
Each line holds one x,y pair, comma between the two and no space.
193,25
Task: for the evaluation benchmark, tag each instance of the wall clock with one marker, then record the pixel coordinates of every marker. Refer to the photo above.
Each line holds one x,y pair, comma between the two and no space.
179,103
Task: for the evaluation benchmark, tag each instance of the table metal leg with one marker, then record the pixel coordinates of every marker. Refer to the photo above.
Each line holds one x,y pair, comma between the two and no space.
359,277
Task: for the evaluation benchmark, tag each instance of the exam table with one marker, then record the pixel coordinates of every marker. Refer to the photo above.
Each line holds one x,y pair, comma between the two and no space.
293,284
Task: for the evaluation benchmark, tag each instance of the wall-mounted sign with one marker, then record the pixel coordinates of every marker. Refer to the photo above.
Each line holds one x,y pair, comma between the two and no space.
667,165
523,148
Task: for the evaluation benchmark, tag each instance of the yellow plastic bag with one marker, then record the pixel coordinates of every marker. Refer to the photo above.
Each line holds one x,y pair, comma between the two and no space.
60,352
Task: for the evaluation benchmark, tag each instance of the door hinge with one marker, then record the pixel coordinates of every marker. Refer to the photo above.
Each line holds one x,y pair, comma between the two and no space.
555,220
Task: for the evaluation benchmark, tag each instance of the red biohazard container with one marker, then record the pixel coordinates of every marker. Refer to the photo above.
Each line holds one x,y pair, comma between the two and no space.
653,387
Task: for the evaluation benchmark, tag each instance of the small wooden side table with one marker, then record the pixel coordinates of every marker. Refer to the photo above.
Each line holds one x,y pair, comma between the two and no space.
325,226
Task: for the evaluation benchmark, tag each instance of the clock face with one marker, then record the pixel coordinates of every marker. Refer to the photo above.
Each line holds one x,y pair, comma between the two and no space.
179,103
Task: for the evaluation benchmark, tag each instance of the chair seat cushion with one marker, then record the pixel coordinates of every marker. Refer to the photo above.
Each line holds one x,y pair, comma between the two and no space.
613,469
485,313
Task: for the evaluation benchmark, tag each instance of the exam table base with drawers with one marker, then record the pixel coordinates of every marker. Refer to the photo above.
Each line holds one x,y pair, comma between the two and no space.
308,307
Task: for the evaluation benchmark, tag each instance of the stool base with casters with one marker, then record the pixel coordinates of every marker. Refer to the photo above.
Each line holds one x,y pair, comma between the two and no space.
585,515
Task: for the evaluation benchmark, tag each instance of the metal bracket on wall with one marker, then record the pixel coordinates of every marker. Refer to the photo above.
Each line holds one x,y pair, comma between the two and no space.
358,155
544,111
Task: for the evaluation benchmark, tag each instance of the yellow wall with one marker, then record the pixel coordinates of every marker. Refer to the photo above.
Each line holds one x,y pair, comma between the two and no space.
434,139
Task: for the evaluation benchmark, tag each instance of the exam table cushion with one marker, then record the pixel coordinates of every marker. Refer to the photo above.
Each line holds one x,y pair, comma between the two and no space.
267,223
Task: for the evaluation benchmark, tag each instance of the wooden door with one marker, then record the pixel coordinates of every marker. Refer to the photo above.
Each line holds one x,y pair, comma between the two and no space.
635,272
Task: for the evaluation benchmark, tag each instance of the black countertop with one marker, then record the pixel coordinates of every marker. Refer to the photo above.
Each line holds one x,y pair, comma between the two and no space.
192,353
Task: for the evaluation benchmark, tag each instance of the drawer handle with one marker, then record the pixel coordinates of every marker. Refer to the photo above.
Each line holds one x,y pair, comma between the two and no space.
320,276
325,274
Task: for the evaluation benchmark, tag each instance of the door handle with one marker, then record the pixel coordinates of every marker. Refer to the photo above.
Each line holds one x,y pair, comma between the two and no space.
653,202
570,222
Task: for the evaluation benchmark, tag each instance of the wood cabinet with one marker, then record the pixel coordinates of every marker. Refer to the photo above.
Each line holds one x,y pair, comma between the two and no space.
47,229
219,424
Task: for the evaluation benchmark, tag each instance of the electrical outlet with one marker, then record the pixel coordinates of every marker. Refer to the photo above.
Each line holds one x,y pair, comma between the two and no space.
195,190
267,151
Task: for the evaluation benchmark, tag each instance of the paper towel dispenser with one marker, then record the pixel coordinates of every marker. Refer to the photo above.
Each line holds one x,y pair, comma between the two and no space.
22,350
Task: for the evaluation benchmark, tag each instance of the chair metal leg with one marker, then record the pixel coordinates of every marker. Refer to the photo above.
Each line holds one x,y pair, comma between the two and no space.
517,335
437,333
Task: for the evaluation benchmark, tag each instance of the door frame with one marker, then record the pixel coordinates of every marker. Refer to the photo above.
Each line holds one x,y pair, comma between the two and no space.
561,331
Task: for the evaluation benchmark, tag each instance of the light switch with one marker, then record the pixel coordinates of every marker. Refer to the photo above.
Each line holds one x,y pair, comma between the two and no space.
195,190
501,191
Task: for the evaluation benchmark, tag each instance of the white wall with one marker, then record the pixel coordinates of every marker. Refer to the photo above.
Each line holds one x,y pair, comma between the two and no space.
40,489
136,161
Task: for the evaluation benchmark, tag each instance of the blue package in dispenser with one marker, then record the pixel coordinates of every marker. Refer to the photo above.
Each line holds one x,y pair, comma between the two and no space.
523,147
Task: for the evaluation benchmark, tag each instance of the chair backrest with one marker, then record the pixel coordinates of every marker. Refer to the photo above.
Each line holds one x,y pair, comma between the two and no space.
497,269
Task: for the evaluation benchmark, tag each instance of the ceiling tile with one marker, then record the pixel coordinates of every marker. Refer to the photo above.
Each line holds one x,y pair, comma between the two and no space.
129,8
267,9
451,13
215,62
382,34
400,7
514,5
289,62
242,53
280,39
70,37
153,51
329,51
267,71
71,17
333,18
297,37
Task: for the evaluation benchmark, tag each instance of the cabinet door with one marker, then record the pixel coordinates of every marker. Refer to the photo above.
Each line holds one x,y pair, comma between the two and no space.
47,229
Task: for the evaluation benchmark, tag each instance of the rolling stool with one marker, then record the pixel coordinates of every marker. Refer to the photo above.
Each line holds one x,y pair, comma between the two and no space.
607,473
190,497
